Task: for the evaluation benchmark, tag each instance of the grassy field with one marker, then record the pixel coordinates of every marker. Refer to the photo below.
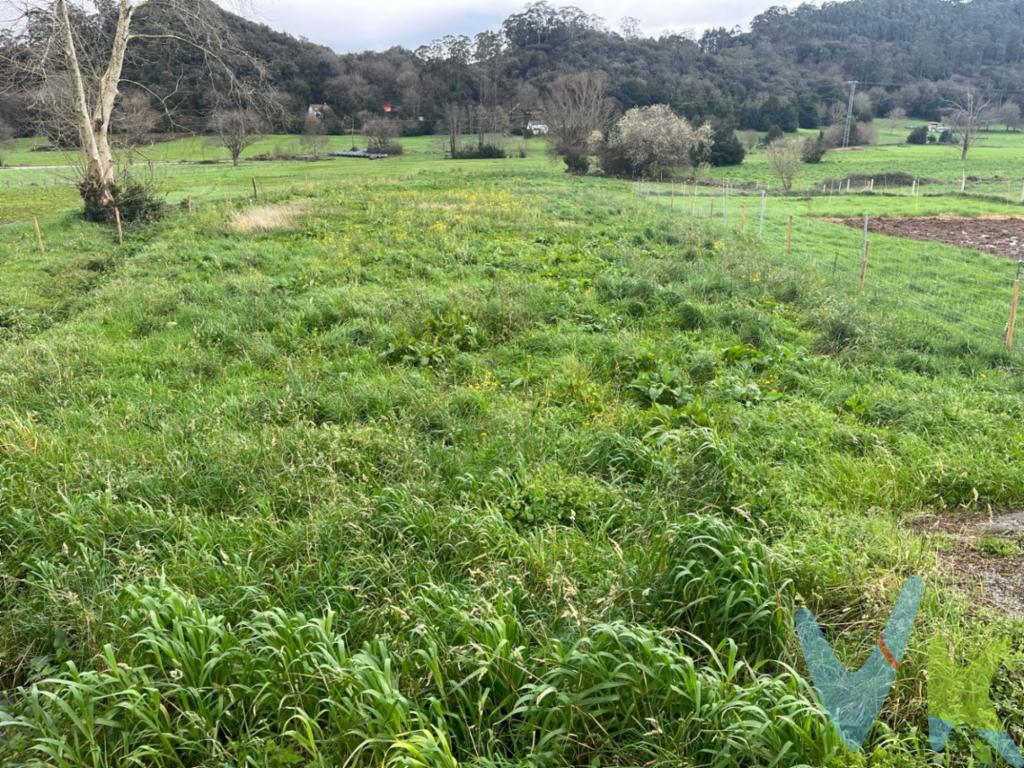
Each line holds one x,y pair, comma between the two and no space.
419,462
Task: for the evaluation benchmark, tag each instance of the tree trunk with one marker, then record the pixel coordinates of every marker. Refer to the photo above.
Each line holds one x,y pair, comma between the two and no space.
94,126
94,169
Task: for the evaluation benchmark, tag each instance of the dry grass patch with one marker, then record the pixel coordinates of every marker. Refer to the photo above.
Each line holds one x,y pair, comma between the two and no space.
266,218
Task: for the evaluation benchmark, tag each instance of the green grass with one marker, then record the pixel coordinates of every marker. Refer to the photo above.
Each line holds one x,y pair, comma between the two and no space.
477,463
994,166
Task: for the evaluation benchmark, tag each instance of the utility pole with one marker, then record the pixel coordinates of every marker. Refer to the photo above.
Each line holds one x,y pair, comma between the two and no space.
849,114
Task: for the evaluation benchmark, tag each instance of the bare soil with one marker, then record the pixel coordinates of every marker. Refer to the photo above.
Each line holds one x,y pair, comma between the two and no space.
999,235
982,557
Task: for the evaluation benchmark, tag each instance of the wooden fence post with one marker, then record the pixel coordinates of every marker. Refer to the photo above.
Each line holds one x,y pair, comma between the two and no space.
255,191
1014,298
120,230
864,262
864,236
764,201
39,236
190,206
743,217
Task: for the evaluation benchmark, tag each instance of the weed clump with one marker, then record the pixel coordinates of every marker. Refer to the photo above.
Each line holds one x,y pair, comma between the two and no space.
137,202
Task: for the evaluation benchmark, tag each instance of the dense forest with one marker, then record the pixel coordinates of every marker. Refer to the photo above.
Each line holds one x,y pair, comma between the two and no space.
789,69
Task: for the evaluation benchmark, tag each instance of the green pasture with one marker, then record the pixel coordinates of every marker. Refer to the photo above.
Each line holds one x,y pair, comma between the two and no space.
474,462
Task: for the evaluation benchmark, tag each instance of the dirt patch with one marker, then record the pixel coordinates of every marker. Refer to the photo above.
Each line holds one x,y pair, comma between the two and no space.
983,557
266,218
999,235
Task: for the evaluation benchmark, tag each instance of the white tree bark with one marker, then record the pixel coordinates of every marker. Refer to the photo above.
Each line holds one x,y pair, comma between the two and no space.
94,124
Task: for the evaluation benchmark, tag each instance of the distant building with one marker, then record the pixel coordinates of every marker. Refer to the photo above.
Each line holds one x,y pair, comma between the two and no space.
319,111
535,128
937,128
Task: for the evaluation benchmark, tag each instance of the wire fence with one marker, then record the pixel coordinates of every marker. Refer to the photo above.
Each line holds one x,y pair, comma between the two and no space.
928,295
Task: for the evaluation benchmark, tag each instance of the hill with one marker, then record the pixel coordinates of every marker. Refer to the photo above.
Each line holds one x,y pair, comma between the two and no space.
789,69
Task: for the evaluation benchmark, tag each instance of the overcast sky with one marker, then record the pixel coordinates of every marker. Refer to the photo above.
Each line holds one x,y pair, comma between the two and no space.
355,26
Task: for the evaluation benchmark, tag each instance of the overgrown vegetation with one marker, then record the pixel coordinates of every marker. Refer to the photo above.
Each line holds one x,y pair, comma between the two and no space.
136,201
424,463
651,141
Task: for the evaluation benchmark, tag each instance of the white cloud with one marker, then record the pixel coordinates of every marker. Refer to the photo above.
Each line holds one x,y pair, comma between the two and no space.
347,26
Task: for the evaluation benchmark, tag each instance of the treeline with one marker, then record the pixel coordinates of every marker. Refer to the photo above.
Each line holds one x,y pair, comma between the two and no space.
789,70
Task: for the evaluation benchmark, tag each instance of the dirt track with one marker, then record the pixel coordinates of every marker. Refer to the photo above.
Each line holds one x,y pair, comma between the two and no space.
1002,236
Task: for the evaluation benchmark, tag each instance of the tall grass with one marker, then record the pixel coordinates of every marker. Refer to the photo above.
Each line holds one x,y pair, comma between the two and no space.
502,469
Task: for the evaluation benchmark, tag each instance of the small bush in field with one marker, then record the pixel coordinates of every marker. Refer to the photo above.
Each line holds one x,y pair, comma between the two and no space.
136,201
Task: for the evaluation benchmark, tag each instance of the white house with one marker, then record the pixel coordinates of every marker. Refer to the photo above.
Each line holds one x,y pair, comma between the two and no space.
536,128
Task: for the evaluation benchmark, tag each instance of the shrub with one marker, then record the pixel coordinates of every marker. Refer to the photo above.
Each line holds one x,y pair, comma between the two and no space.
647,140
134,200
919,135
774,134
481,152
861,134
785,157
725,148
814,149
392,148
864,134
381,135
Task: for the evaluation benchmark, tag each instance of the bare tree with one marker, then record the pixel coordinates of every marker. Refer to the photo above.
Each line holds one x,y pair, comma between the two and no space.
575,107
6,138
968,113
455,119
314,135
897,115
236,129
785,157
630,27
75,59
134,122
50,117
490,121
382,134
1007,114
